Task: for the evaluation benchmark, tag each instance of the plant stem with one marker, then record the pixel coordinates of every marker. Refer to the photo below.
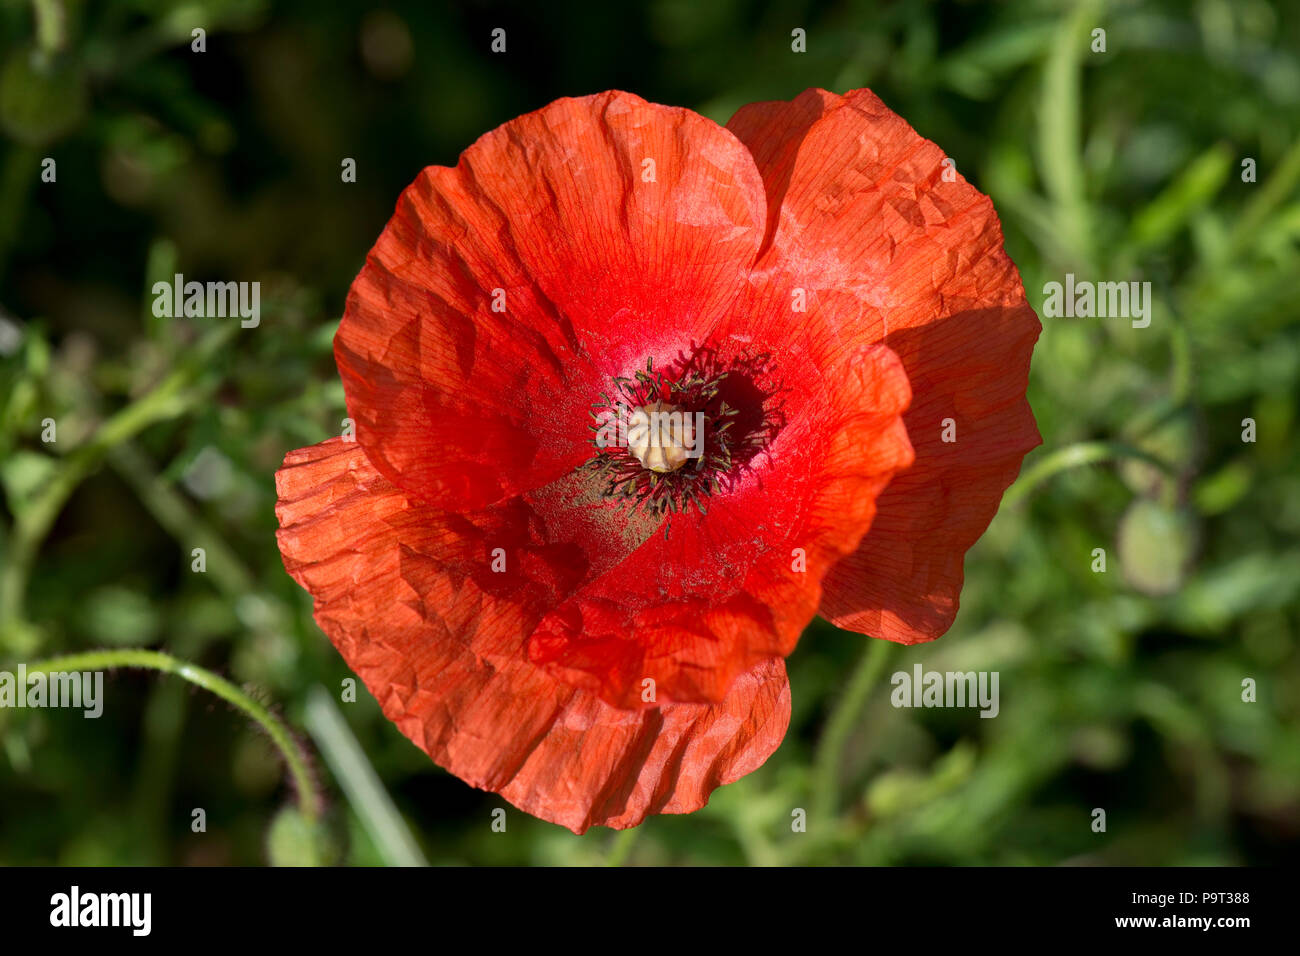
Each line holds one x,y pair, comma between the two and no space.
1059,120
839,727
1081,453
622,847
51,33
360,783
182,521
309,800
1272,194
169,399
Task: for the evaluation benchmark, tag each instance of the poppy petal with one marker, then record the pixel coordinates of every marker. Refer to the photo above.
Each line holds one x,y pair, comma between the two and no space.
565,248
930,277
440,649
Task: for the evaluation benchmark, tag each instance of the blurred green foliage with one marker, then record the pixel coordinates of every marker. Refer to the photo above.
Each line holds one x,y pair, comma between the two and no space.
1120,690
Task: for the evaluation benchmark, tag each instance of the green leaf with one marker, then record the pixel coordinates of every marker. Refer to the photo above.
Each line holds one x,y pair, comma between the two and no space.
1169,212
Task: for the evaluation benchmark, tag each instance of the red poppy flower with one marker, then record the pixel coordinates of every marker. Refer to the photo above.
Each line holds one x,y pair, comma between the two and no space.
593,624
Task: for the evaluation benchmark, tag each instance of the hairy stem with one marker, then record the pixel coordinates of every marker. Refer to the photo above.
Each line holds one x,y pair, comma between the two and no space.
309,799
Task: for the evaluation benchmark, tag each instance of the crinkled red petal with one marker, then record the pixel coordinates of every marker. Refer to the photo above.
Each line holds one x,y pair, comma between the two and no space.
864,220
441,651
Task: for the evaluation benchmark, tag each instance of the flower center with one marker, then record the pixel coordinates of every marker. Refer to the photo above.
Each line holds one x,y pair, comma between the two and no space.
663,437
669,440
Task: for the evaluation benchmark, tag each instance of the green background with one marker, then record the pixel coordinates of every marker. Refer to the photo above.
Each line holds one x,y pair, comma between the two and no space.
1119,690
